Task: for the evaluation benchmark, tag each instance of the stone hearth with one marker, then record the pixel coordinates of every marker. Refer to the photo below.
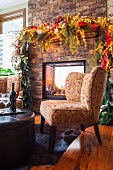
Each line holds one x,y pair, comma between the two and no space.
56,53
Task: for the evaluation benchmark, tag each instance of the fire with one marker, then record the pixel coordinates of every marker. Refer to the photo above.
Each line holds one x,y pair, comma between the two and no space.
55,90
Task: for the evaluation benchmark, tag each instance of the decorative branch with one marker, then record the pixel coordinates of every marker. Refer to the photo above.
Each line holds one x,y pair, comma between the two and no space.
68,30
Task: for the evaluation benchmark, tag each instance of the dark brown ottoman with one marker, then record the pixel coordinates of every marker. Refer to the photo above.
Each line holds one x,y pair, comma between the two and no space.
17,138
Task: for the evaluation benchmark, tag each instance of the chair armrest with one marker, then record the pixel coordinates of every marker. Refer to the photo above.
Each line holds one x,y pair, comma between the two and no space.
20,94
19,103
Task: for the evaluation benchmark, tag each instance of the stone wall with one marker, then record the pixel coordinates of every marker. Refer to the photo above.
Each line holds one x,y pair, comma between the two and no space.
49,10
56,53
49,75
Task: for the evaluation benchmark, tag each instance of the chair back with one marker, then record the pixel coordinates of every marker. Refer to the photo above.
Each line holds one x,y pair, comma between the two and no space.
73,85
3,84
93,89
87,88
17,83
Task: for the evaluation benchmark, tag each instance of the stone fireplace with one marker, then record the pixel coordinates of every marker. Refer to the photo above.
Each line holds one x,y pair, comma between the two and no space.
48,11
56,54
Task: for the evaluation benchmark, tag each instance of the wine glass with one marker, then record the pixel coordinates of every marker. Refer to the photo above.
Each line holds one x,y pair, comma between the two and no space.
5,99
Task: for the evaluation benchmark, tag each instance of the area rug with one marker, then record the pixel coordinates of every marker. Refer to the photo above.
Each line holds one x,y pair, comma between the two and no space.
41,156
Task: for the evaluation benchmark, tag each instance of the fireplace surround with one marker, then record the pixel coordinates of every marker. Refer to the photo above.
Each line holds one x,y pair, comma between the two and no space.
56,54
54,75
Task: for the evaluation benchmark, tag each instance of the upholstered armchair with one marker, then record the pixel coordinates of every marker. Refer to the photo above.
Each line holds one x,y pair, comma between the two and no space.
6,87
84,92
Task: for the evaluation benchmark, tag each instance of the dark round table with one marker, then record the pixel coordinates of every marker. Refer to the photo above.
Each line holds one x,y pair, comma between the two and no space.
17,137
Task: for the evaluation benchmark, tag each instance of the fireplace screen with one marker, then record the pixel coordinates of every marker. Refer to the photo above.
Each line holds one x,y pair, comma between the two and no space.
54,76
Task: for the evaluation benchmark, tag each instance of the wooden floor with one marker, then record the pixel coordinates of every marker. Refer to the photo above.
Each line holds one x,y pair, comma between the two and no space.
85,153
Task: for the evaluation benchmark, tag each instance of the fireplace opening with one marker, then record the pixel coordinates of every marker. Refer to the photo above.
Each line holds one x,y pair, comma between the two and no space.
54,76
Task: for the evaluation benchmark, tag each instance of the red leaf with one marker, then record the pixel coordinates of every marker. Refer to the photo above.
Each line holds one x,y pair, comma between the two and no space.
95,27
82,23
34,27
104,60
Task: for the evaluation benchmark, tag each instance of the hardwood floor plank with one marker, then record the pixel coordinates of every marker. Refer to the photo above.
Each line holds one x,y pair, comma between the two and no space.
101,151
41,168
85,153
110,161
37,119
110,156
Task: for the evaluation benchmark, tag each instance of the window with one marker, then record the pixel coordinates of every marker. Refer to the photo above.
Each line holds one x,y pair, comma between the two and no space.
11,23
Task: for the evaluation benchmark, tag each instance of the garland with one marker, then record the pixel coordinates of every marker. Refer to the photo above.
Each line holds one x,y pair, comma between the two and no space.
69,30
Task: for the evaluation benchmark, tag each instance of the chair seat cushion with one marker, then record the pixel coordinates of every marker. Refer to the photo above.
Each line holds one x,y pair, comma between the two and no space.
57,112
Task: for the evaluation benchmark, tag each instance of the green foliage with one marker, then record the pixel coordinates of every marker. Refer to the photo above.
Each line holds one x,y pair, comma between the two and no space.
94,60
7,72
25,81
72,43
71,31
64,33
42,36
107,93
106,118
26,88
106,114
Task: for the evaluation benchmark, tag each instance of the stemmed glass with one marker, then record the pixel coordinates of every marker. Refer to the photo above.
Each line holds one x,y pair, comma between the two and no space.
5,99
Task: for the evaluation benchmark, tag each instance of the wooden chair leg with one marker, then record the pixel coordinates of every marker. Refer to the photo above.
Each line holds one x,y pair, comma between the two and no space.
97,133
52,138
42,124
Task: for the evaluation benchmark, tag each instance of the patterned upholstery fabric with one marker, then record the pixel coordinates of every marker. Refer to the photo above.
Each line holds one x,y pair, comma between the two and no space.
3,82
64,112
6,86
19,103
84,88
93,82
83,109
73,86
97,90
13,79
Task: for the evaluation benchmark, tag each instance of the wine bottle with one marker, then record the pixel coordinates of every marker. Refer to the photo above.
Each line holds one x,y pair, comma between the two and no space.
12,99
